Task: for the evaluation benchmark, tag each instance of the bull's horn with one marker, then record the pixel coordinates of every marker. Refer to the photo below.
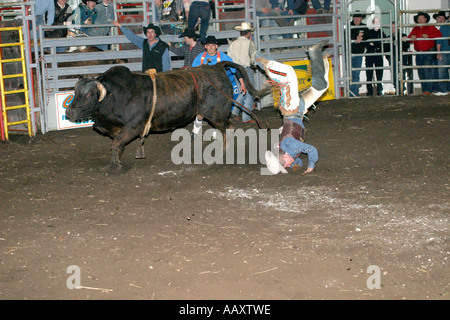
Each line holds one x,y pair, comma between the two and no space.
102,91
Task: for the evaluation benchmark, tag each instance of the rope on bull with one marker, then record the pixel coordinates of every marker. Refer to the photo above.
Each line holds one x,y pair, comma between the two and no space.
148,125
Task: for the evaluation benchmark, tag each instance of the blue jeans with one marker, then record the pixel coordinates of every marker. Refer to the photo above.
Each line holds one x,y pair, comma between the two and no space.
200,10
316,4
356,63
246,100
267,23
443,74
425,59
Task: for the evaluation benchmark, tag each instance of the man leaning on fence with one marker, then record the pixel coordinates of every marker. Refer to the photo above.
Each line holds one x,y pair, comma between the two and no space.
359,33
422,46
443,59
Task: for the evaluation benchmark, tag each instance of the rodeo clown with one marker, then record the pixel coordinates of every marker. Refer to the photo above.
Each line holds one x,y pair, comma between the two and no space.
293,107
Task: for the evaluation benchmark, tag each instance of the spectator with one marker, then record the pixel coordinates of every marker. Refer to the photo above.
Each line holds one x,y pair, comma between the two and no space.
105,15
167,13
191,48
318,6
243,51
155,52
424,59
375,60
199,9
443,58
284,8
62,13
85,14
358,35
264,9
407,74
186,4
44,9
299,6
212,57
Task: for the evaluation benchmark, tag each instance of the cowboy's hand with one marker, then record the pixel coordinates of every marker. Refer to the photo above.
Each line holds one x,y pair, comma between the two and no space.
243,87
308,170
116,23
424,35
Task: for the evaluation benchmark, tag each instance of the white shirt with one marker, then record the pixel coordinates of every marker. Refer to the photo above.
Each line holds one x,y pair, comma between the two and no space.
242,51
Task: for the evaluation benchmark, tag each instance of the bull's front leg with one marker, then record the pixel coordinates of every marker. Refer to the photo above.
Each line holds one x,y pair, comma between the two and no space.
118,146
116,155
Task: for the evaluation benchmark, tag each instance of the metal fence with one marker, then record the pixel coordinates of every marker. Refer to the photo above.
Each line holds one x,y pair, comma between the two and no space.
402,66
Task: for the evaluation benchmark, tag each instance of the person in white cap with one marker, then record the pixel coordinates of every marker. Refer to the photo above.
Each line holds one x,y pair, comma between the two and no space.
243,51
293,107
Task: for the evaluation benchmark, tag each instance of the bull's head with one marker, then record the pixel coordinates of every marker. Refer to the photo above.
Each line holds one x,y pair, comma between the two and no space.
88,94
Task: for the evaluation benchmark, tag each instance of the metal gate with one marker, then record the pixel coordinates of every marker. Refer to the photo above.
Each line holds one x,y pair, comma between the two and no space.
25,113
8,94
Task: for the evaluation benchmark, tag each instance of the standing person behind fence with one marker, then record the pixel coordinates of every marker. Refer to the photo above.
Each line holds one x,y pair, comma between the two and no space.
199,9
358,36
85,14
375,60
443,58
167,13
44,10
398,39
190,49
424,59
62,13
243,51
105,15
155,52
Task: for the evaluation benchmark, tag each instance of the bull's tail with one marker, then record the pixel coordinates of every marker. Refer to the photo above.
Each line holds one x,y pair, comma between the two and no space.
257,94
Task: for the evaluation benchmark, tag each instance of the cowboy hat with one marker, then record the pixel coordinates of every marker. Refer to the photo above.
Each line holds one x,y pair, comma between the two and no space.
96,1
152,26
273,164
426,15
359,14
211,40
189,32
244,27
440,14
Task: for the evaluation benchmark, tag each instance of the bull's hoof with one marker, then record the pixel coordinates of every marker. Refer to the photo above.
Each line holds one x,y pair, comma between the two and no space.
113,168
140,154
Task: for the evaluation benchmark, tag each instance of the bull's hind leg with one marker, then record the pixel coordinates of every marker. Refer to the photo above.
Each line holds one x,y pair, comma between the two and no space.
221,125
140,152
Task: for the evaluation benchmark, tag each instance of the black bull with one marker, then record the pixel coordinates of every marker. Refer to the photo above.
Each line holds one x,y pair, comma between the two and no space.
120,102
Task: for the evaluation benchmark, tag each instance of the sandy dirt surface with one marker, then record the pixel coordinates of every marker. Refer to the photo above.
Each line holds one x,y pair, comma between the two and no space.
379,197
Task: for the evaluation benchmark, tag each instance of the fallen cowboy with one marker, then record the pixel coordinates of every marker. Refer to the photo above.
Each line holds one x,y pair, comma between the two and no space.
125,105
293,107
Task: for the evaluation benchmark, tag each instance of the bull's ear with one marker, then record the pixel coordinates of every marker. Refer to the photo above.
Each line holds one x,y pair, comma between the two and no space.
102,89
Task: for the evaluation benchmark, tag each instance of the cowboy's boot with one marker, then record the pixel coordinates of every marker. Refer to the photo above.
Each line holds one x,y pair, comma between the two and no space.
319,82
319,70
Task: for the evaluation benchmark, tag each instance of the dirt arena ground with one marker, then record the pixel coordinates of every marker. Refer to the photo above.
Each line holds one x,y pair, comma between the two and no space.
374,211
